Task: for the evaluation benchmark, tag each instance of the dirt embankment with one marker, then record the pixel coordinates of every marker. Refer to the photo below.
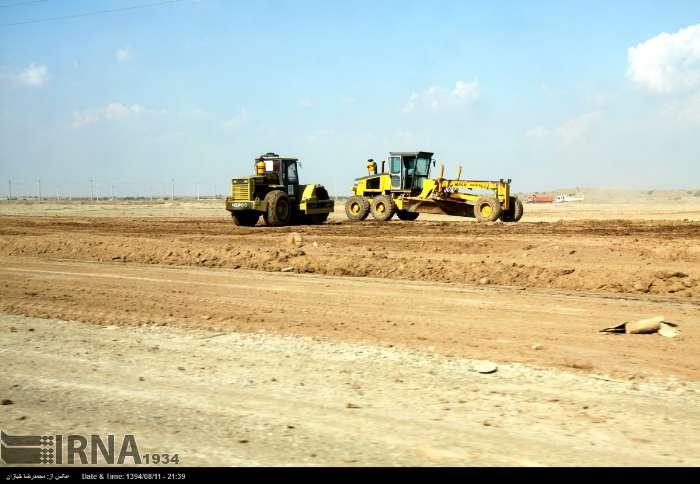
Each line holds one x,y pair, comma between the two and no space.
661,258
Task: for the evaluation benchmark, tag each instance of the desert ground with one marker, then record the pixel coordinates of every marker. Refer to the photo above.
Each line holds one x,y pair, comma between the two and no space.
356,343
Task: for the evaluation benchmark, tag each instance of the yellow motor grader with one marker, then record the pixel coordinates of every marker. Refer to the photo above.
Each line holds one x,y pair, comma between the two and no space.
408,190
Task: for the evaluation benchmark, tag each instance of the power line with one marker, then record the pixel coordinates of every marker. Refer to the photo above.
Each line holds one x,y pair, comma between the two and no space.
96,12
17,4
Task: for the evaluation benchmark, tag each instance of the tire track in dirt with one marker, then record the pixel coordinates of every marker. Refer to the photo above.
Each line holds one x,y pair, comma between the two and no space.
504,324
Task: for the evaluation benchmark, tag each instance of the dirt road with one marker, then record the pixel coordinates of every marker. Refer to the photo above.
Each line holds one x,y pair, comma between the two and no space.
496,323
230,399
354,344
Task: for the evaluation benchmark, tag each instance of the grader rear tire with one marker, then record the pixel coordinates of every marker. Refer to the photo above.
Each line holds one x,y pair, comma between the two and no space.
383,208
514,212
519,211
487,209
279,209
357,208
406,215
245,218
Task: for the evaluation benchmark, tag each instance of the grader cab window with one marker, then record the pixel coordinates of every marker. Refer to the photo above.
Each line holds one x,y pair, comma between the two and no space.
409,169
423,167
422,172
395,166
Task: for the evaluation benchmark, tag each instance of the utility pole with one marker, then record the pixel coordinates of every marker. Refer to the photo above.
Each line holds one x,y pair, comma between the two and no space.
92,190
172,193
97,192
57,197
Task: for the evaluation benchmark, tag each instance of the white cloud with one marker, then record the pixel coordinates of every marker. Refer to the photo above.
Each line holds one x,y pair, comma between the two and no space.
411,104
570,131
237,120
123,55
439,99
466,90
34,75
110,112
667,62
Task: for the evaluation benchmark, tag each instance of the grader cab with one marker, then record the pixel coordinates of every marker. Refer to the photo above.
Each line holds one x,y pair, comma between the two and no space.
407,190
275,193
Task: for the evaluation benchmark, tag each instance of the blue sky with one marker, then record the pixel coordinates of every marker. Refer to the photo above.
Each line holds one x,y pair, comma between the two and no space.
550,94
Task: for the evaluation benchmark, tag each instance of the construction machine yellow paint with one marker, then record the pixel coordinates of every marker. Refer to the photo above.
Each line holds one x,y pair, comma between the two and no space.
275,193
407,190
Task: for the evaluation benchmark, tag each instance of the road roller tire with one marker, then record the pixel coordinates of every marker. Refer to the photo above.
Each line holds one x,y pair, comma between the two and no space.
245,218
279,209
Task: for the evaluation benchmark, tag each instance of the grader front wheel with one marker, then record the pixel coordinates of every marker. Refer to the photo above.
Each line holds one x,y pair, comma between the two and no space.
487,209
383,208
357,208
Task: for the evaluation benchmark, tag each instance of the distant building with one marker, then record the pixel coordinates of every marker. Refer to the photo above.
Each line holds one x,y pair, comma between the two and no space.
569,197
540,198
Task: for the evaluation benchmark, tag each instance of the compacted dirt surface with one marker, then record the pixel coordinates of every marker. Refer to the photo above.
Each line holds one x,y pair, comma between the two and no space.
355,343
218,398
541,327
